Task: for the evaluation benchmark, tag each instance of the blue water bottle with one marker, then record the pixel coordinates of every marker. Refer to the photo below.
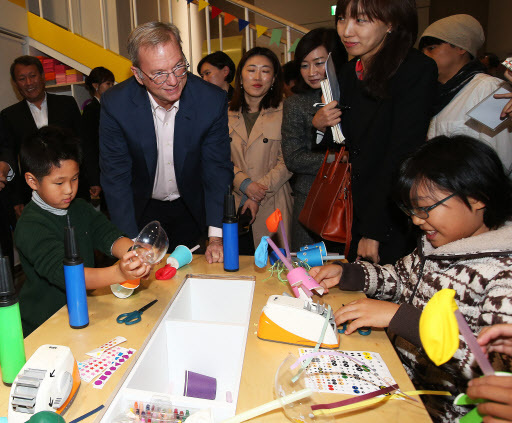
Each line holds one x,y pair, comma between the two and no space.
75,281
230,234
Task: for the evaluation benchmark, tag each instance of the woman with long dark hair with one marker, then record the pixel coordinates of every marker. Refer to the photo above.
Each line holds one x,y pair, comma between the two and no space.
97,82
255,115
303,149
390,88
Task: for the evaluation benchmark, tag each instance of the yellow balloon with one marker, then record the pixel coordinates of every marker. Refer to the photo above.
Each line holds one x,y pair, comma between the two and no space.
439,331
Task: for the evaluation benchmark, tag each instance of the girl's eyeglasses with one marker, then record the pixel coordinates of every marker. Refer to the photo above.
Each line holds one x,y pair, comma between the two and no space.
422,212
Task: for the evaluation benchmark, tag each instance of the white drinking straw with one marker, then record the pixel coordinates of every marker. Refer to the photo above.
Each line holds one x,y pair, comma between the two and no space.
194,248
269,406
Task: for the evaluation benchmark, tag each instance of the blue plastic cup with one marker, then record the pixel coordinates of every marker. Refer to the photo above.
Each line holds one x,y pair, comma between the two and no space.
273,257
181,255
320,245
311,256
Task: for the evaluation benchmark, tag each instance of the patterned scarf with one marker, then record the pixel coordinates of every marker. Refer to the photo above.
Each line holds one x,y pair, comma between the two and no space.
448,90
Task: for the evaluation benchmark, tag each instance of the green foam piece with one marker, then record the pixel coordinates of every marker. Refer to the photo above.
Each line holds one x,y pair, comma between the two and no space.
463,399
472,417
46,417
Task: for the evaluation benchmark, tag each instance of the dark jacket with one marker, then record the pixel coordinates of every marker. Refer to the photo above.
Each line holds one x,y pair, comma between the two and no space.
379,135
90,137
128,152
19,124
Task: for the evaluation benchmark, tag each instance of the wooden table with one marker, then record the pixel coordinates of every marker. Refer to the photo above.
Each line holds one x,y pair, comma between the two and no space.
261,357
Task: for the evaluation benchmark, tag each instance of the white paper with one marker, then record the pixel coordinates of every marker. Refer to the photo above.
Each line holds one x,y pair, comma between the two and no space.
488,111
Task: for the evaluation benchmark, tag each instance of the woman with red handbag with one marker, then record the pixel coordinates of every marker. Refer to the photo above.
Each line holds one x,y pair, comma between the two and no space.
303,149
390,89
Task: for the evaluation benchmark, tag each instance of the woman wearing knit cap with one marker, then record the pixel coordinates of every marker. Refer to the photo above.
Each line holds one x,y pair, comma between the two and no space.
453,43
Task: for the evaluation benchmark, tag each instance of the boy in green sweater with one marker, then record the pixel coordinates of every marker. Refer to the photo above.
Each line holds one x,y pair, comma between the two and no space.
51,161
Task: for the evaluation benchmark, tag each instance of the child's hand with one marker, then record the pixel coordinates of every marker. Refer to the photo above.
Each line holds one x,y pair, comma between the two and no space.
497,389
496,338
366,312
327,276
132,267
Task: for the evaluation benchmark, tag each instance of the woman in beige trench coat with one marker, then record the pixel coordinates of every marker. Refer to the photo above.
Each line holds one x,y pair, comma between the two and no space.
255,115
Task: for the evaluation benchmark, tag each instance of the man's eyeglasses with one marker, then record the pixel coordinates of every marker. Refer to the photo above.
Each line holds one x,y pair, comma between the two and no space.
161,77
422,212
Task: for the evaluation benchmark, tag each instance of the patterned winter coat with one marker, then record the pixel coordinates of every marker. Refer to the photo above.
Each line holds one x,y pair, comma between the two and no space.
479,269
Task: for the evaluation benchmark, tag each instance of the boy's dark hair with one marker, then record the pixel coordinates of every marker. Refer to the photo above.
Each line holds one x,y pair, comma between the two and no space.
290,72
494,61
430,41
219,59
274,96
47,148
403,16
26,61
98,75
461,165
327,37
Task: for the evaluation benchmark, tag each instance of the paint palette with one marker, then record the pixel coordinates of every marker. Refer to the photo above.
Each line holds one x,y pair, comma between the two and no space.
341,375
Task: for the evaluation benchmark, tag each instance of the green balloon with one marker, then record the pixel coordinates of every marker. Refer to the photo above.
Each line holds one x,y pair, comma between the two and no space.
46,417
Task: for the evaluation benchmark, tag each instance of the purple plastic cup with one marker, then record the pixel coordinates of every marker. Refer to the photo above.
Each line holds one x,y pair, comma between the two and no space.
200,386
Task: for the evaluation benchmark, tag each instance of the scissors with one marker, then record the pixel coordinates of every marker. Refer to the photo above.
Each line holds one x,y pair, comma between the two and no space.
134,316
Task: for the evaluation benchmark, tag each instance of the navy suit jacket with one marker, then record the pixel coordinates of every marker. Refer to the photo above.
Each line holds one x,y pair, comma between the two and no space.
19,124
128,152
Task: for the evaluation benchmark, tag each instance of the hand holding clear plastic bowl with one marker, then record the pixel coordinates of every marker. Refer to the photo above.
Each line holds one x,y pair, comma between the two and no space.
151,244
150,247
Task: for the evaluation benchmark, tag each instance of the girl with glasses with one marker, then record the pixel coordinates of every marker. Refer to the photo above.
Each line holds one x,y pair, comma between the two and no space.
456,191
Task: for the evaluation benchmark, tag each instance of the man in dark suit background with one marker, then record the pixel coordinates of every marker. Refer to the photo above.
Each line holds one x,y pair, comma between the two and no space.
37,109
164,144
7,219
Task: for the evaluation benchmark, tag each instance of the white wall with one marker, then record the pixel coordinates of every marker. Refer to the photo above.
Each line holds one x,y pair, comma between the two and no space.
12,18
10,48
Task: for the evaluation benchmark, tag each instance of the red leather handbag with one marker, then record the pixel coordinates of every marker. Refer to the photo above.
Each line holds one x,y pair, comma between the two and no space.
328,207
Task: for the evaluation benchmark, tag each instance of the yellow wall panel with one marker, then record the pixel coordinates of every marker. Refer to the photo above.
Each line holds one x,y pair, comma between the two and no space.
77,48
18,2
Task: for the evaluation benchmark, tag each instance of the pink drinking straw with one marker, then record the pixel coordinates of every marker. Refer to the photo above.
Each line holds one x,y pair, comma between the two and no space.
473,345
285,239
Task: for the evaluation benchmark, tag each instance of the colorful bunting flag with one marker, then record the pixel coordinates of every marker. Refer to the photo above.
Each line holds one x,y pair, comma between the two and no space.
189,1
242,24
202,4
260,30
228,18
276,36
215,12
294,46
